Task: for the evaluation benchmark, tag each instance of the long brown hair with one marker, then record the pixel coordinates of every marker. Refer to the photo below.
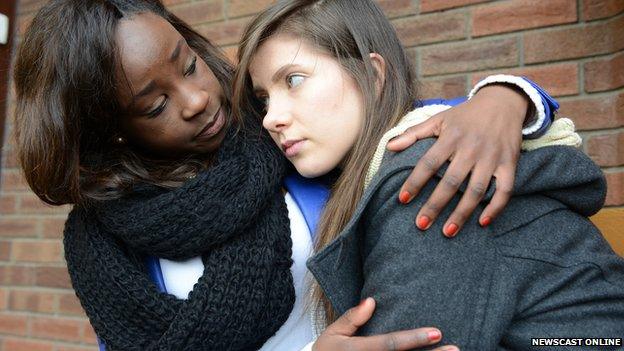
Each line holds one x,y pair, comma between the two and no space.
67,113
349,30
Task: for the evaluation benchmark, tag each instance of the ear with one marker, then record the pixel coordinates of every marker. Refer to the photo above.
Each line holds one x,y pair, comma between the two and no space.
379,64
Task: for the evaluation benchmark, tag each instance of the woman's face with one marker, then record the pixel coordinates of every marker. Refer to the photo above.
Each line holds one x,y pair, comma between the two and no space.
314,108
173,101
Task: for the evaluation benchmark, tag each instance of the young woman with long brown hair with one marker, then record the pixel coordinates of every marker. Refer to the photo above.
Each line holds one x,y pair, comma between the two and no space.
334,81
124,112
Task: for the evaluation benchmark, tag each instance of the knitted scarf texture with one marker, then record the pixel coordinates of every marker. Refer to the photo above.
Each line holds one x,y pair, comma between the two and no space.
232,215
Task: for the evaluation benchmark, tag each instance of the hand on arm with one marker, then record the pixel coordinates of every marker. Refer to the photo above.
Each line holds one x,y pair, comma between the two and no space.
481,137
340,334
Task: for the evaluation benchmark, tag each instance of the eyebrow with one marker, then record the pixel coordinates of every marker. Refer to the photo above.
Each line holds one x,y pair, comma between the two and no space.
176,52
277,75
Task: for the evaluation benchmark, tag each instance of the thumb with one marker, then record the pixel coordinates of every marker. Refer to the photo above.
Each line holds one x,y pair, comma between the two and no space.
426,129
354,318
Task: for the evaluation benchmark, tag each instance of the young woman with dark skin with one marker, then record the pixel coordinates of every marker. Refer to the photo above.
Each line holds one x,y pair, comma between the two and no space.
122,106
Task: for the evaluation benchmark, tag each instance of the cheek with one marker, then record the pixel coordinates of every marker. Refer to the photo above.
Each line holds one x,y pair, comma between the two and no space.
206,75
158,134
275,138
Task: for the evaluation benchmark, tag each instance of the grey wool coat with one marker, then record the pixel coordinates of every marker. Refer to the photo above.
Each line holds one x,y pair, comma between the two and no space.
540,270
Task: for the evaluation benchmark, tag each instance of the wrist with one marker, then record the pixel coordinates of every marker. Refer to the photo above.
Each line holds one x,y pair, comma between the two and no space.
510,98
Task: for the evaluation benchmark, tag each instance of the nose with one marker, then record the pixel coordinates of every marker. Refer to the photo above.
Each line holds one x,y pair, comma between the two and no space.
278,117
195,100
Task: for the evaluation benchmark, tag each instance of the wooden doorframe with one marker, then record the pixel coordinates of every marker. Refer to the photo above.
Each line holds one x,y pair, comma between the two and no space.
7,7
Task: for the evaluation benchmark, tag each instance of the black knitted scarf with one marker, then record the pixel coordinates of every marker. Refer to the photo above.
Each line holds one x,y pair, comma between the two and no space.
233,215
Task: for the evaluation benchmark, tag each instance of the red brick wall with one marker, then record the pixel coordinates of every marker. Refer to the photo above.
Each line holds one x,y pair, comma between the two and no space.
573,48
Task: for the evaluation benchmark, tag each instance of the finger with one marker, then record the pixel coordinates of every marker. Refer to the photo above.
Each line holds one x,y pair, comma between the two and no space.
426,167
426,129
448,186
354,318
446,348
479,180
400,340
505,176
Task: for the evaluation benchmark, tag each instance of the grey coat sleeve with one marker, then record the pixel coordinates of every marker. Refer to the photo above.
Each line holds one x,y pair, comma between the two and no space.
554,276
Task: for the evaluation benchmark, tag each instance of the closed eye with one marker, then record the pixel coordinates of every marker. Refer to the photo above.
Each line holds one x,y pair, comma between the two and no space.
158,110
191,68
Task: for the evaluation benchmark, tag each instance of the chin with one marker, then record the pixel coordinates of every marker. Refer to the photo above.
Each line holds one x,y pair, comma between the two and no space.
311,170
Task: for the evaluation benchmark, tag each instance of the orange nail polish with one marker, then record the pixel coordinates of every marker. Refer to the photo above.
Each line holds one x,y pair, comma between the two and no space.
434,335
486,221
423,222
451,230
404,197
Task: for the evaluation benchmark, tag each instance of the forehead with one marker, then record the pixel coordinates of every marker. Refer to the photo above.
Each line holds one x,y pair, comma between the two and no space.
144,41
280,50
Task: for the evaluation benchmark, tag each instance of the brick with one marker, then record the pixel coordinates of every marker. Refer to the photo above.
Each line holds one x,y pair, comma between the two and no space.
610,221
231,53
15,344
594,112
574,42
445,88
469,56
18,227
17,275
558,79
76,348
615,188
5,250
9,158
396,8
436,5
30,204
4,299
57,328
23,22
37,251
12,324
26,6
33,301
430,28
604,74
88,335
224,33
199,12
238,8
52,277
174,2
13,180
510,16
596,9
53,227
8,204
607,150
69,304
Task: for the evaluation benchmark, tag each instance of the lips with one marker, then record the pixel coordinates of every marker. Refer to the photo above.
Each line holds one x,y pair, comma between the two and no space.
292,147
213,127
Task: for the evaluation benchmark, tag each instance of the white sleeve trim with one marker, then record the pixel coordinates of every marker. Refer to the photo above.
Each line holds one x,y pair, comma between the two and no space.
528,89
308,347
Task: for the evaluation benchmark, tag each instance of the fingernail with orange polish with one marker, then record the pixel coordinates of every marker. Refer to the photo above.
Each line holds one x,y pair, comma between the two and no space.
486,221
404,197
423,222
434,335
451,230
